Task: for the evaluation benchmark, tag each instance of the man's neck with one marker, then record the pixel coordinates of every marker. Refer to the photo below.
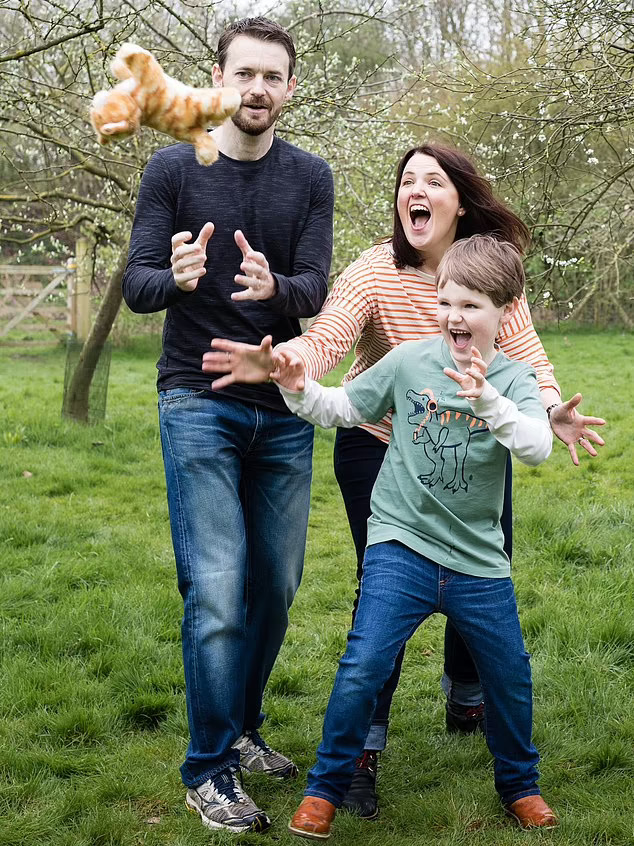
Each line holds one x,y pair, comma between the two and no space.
236,144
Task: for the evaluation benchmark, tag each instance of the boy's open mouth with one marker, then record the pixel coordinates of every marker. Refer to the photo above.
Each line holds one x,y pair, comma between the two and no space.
461,339
419,214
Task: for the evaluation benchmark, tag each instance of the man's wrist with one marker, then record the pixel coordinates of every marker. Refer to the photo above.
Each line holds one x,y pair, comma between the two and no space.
551,408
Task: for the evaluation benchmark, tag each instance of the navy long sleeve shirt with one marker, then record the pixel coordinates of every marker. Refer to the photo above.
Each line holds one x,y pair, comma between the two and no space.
283,203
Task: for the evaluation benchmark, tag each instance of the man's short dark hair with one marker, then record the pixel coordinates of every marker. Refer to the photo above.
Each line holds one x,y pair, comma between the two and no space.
264,30
484,263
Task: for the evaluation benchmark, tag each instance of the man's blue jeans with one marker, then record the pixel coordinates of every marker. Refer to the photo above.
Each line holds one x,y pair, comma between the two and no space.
238,490
400,589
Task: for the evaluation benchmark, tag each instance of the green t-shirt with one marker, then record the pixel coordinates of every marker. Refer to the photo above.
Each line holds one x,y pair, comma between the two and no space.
441,486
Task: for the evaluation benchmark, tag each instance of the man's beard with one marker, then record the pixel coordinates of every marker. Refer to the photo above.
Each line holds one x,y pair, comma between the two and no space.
247,125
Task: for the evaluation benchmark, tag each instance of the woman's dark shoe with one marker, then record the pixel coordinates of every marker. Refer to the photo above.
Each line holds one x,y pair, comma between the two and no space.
532,812
361,799
464,719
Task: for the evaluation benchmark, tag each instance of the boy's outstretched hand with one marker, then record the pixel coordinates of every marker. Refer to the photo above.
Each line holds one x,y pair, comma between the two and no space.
289,371
473,380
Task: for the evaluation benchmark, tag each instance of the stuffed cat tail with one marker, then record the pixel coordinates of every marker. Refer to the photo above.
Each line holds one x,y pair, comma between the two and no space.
147,96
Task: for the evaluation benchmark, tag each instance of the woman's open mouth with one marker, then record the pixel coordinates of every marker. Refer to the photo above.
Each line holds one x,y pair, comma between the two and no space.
419,215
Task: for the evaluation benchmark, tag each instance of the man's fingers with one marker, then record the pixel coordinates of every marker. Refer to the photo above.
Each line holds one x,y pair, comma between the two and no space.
180,238
204,235
573,454
215,362
242,242
223,382
222,344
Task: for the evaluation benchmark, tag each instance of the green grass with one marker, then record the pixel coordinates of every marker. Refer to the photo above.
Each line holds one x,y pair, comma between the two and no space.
92,717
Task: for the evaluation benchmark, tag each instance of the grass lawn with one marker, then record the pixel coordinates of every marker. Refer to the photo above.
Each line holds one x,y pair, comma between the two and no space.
92,717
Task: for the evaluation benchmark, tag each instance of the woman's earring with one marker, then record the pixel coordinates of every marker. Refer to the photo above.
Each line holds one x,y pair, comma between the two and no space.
460,212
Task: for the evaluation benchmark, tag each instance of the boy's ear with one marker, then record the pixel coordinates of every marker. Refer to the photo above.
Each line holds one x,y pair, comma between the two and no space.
509,311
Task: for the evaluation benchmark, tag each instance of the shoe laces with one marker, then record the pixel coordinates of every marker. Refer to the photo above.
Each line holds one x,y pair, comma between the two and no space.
223,787
367,761
257,741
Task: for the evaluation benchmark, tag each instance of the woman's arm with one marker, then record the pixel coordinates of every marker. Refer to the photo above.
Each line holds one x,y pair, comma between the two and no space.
519,340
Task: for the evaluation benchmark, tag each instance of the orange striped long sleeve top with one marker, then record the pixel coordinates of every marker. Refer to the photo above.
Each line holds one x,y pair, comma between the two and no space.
377,306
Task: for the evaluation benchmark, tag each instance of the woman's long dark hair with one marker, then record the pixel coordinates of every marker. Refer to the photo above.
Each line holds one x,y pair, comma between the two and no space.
484,214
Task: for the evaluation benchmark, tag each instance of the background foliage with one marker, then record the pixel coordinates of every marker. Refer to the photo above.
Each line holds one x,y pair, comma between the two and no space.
540,92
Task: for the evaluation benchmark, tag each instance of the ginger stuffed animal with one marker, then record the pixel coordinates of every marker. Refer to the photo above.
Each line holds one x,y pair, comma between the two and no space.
146,96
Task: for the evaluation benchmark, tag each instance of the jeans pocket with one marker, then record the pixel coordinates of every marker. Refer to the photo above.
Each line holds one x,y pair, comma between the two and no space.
178,395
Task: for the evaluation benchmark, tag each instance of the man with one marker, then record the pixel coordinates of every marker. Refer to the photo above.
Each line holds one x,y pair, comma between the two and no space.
237,464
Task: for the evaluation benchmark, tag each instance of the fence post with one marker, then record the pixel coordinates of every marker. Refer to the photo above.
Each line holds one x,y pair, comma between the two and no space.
80,299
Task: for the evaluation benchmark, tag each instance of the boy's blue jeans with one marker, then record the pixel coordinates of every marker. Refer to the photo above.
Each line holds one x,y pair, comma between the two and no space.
400,589
238,490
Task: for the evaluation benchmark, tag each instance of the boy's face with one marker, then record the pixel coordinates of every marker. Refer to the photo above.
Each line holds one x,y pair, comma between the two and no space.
470,319
259,70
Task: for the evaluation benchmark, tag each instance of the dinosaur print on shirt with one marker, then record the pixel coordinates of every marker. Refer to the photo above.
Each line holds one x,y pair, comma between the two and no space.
445,435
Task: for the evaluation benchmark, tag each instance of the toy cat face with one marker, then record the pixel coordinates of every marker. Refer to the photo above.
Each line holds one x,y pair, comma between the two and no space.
114,113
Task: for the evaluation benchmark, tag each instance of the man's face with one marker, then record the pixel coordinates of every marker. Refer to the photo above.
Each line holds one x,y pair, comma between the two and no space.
259,70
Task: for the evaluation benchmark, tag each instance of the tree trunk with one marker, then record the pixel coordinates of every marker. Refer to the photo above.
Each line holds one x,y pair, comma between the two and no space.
77,398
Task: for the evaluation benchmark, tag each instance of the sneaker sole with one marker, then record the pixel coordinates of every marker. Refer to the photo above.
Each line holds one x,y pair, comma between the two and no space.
258,825
309,835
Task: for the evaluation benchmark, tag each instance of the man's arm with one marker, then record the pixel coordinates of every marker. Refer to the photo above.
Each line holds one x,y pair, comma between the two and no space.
148,281
302,294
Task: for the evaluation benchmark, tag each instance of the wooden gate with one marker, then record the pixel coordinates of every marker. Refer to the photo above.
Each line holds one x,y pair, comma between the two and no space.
54,298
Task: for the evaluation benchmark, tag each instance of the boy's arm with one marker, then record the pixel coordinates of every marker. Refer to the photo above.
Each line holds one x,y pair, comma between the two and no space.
325,407
328,407
529,438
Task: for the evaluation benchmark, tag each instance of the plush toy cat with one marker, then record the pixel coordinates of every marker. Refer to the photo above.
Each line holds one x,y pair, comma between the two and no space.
146,96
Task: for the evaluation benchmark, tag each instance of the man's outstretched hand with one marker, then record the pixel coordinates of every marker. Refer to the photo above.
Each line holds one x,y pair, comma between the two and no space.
239,362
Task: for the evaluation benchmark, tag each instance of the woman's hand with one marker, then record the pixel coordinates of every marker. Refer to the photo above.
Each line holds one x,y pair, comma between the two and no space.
240,362
572,428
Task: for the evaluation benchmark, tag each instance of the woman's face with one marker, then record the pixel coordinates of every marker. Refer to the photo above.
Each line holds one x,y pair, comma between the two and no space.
428,207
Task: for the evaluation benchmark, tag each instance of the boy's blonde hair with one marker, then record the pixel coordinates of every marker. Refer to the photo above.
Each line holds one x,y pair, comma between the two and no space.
483,263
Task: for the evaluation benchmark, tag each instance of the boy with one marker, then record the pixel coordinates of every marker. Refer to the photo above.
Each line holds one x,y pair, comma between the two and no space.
434,537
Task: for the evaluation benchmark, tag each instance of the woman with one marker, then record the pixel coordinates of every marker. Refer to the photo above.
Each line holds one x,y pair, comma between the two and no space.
384,298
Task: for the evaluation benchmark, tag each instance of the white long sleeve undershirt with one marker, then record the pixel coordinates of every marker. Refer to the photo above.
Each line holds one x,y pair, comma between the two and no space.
528,438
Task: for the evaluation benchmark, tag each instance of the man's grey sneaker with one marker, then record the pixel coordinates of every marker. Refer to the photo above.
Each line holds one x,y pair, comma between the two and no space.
257,757
222,803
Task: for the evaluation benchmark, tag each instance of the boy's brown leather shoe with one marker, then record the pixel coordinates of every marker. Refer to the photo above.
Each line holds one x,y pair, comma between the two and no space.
532,812
312,819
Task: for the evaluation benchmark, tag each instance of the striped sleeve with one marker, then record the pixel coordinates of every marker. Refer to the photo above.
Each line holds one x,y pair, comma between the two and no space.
519,340
339,324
